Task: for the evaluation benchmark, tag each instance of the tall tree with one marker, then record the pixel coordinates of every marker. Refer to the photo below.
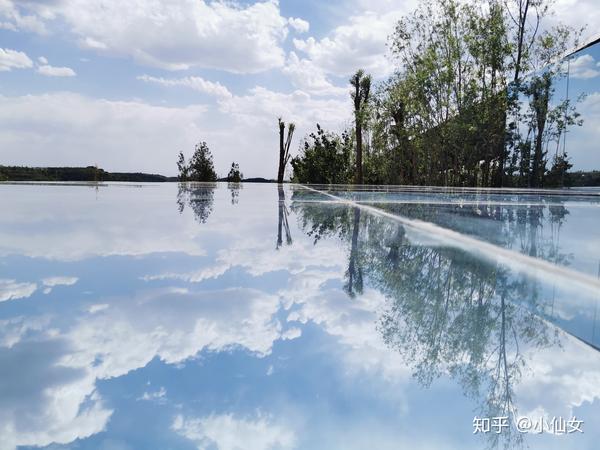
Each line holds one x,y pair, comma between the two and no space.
182,167
234,175
201,167
284,147
360,94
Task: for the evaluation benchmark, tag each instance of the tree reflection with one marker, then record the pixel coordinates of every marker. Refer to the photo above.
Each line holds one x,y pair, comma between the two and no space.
520,226
354,274
282,221
234,189
199,197
449,313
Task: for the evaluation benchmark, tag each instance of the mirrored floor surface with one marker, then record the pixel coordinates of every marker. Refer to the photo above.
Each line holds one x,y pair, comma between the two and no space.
227,316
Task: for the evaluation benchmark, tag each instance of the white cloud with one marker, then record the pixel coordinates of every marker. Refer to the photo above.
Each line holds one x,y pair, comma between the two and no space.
300,25
196,83
577,14
176,34
226,432
11,290
43,60
359,44
12,59
15,20
43,401
173,325
263,106
581,140
59,281
51,282
307,76
583,67
73,231
92,43
137,136
560,379
157,396
97,308
82,131
51,71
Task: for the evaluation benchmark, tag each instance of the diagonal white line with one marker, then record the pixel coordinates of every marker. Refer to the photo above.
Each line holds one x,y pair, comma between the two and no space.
536,267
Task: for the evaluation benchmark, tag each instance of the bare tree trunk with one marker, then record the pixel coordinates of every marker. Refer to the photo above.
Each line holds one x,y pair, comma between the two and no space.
281,170
541,111
359,165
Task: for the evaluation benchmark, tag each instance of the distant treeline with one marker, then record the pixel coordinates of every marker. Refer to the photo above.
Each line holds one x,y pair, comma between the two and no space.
580,178
90,173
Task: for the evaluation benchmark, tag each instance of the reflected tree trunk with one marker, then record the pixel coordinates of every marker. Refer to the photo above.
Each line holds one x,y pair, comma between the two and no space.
354,274
282,221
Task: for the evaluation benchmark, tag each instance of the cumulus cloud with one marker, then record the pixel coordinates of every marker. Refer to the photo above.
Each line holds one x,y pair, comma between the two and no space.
227,432
61,403
51,282
74,231
582,140
261,105
12,59
137,136
306,75
44,402
11,290
52,71
300,25
11,18
84,131
196,83
569,12
175,34
584,67
361,43
551,385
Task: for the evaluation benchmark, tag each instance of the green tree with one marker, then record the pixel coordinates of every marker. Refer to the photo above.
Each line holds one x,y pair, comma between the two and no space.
234,175
182,168
201,167
453,112
325,159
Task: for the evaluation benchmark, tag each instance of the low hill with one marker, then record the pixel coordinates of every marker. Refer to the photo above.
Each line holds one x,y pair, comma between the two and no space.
90,173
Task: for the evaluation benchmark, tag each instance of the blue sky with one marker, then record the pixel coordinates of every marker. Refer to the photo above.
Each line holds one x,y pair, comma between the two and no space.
127,85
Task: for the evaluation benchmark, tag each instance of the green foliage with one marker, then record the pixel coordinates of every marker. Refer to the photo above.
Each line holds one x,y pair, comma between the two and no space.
450,115
325,159
580,178
182,168
200,167
556,176
234,175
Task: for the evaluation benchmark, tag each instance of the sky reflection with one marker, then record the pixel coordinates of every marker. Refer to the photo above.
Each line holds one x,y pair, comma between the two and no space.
215,316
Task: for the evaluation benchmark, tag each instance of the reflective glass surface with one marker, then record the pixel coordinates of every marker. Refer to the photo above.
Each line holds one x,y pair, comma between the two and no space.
224,316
